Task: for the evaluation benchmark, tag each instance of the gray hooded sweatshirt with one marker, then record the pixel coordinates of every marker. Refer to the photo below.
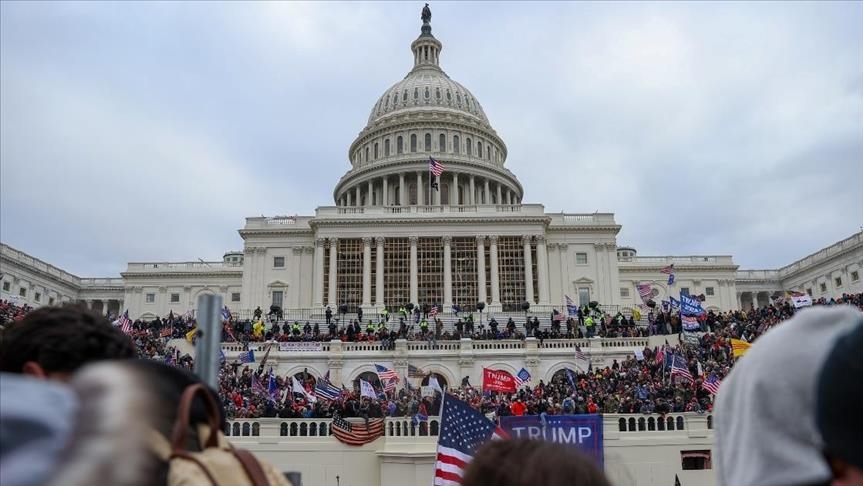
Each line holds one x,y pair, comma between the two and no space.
765,408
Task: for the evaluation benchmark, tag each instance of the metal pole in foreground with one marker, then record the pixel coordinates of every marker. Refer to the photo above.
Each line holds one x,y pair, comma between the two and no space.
209,339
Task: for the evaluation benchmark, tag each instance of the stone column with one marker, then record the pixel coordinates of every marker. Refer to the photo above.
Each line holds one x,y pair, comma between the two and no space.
499,200
542,268
447,272
358,199
420,195
403,192
471,194
369,199
379,272
453,191
385,197
486,194
528,270
334,245
367,271
495,278
414,280
480,267
318,278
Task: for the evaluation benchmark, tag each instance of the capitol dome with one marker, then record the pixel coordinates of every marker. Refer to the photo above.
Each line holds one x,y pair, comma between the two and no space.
427,116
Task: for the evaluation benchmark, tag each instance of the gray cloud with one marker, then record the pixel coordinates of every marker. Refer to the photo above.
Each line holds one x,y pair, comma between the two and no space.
149,131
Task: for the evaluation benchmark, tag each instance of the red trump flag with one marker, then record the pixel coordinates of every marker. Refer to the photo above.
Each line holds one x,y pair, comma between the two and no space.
498,380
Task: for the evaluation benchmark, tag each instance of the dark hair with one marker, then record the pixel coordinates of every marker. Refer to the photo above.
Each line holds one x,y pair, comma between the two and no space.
61,339
525,462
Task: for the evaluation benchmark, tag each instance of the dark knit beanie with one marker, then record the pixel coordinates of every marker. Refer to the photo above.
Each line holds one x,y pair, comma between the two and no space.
840,393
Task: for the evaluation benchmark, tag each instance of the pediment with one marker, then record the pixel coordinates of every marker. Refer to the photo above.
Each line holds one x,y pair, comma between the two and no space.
583,280
277,283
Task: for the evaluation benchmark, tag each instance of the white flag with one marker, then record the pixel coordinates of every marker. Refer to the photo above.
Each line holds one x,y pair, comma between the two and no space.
433,383
367,390
639,354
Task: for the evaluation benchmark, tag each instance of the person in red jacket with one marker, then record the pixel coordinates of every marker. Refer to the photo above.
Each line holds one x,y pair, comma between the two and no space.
518,408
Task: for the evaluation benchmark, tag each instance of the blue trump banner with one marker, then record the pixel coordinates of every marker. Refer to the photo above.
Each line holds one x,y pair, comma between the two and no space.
584,431
690,305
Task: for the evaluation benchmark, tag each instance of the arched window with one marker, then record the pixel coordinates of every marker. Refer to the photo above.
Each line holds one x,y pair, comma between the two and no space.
488,153
376,150
437,93
479,149
469,147
458,98
413,142
395,99
428,142
416,93
427,93
460,195
442,143
387,102
440,379
456,144
387,148
448,96
412,194
405,95
367,154
400,145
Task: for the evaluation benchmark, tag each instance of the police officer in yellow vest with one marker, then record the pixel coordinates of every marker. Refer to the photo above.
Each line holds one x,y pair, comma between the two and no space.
424,326
589,324
295,329
385,315
370,328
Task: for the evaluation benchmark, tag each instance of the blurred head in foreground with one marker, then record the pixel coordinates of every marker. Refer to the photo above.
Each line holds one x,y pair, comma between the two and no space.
839,417
765,408
53,342
526,462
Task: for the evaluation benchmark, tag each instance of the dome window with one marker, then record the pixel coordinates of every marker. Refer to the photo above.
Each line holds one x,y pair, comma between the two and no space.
367,154
442,143
427,93
456,144
405,96
458,98
448,96
387,102
413,143
376,151
400,145
437,93
416,93
479,149
395,99
428,142
469,147
387,148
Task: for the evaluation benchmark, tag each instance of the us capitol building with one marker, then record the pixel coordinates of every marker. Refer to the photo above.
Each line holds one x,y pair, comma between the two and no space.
397,234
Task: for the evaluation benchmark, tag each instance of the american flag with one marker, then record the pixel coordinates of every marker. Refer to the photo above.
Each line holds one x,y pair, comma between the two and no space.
357,433
390,385
558,317
579,354
433,311
660,355
571,308
414,372
435,167
246,357
125,323
462,431
667,270
711,384
678,367
522,377
385,374
645,290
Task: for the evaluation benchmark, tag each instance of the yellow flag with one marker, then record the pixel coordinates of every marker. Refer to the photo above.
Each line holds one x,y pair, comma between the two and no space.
191,334
636,314
739,347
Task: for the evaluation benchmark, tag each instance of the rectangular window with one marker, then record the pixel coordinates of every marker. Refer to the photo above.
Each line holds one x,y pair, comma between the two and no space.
349,273
823,287
581,258
6,286
50,300
278,298
583,296
235,296
708,291
684,290
624,292
175,298
22,292
464,277
510,262
855,276
696,460
150,298
397,272
279,262
37,297
430,271
838,281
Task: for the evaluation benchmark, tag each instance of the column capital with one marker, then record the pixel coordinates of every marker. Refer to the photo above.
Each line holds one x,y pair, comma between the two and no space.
540,238
563,246
308,249
379,240
447,240
480,239
367,241
297,250
333,241
319,242
413,240
492,239
525,239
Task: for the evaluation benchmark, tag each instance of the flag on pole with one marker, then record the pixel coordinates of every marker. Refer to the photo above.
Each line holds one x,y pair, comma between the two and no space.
739,347
390,385
246,357
435,167
711,384
125,323
679,368
433,383
671,279
690,323
522,377
385,374
667,270
226,314
462,431
367,390
558,317
645,290
571,308
326,390
433,311
581,358
570,377
414,372
272,386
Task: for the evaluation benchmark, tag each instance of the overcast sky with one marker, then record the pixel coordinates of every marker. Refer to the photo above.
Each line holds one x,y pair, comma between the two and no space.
149,131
